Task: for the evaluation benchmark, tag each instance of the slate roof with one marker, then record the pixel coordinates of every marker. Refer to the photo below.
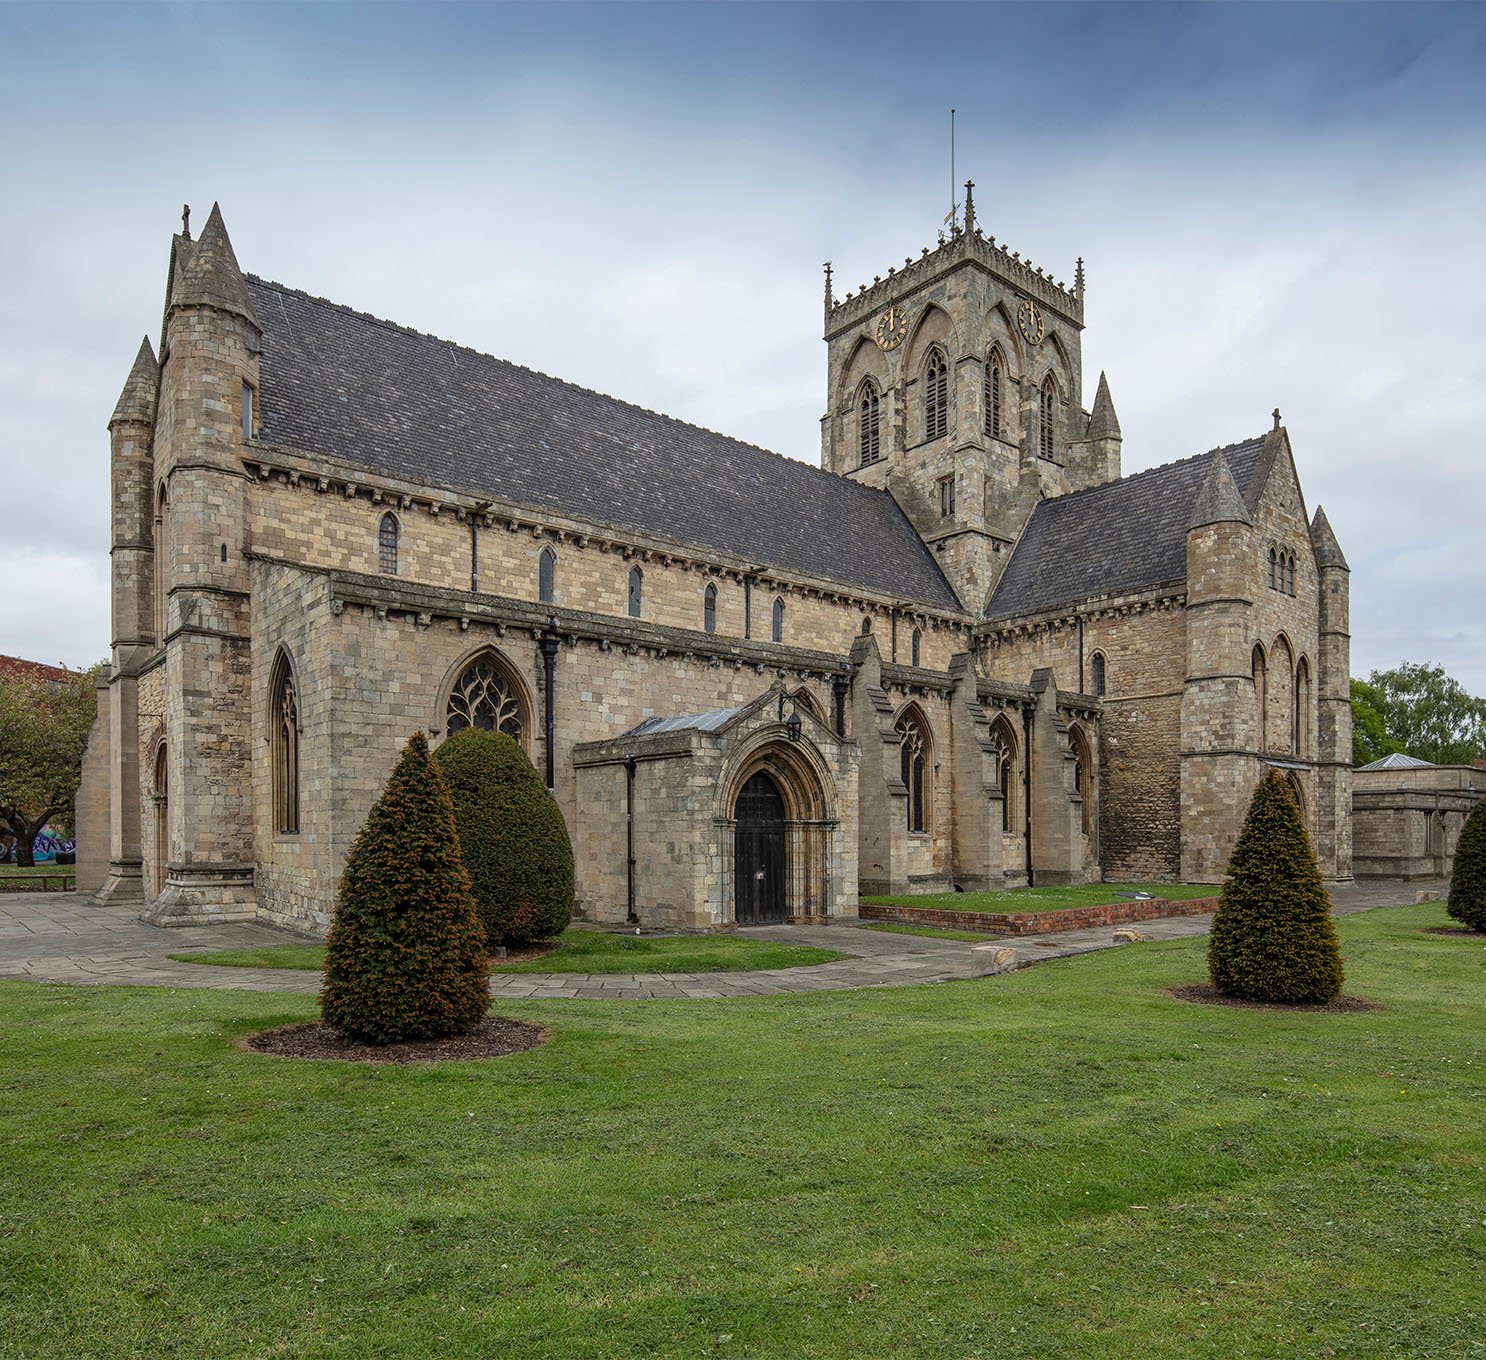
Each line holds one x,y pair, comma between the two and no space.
1124,536
694,722
339,383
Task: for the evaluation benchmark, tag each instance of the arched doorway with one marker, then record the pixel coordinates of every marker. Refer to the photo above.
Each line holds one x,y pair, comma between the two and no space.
758,852
161,798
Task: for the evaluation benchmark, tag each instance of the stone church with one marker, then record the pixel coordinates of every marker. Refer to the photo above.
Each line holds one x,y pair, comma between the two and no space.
966,652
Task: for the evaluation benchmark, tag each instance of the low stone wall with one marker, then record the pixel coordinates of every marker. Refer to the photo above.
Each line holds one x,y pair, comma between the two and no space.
57,882
1041,922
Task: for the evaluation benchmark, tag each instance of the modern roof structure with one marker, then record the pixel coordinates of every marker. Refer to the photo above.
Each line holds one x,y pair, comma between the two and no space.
342,384
1398,761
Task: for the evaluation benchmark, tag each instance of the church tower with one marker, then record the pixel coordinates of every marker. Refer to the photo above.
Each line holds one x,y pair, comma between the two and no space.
956,382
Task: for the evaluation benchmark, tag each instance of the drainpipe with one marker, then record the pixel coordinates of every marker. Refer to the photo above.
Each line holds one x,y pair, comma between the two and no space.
748,606
629,837
1027,791
1081,688
549,675
839,685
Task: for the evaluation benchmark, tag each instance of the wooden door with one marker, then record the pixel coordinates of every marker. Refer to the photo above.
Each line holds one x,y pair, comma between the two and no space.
758,859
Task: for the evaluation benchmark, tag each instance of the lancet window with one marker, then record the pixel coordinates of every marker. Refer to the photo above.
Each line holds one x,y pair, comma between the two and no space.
1047,409
936,395
993,393
870,424
913,748
284,747
387,544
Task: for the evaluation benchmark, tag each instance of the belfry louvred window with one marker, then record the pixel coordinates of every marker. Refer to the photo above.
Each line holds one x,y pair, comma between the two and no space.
993,394
870,424
936,396
1046,446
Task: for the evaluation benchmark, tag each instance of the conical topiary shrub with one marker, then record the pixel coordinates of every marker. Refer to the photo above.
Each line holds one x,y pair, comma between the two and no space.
1467,902
514,840
405,958
1272,938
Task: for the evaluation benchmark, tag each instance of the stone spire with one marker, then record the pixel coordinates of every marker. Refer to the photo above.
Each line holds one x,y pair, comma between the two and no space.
1103,423
137,400
1328,550
1219,501
210,276
969,207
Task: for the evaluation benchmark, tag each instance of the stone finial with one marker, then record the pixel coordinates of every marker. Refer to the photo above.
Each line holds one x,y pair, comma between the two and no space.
830,301
969,206
211,277
1078,277
1219,502
137,400
1277,417
1104,423
186,221
1328,551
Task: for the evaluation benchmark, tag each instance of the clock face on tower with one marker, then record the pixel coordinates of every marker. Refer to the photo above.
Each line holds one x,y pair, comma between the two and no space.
1029,321
892,327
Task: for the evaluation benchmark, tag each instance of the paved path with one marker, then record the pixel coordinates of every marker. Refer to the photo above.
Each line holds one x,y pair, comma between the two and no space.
56,937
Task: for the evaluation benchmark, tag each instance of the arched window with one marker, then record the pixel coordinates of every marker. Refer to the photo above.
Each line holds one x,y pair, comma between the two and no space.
1005,740
869,424
993,393
1083,777
1303,708
547,576
162,563
866,624
1274,569
1279,722
636,591
1045,446
913,748
485,696
709,608
918,639
283,716
1099,677
936,395
776,625
1289,573
1261,694
387,544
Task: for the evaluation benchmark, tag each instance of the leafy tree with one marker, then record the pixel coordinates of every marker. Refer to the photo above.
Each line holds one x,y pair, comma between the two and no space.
1467,902
1272,937
405,957
1370,739
511,832
1425,713
44,726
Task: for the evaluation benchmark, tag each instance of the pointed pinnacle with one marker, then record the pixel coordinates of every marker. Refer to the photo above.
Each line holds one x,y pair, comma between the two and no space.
137,400
211,277
1103,422
1219,502
1328,551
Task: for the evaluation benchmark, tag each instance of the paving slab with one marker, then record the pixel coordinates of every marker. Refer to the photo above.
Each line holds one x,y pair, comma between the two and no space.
50,937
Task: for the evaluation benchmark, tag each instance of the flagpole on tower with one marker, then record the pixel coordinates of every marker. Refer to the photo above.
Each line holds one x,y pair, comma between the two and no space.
953,205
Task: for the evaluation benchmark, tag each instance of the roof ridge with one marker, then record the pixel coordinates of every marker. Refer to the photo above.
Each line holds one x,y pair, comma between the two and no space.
565,382
1146,472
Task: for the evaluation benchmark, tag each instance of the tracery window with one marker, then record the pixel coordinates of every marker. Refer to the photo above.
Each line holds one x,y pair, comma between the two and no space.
284,746
1083,783
936,395
1099,676
547,576
913,748
387,544
870,428
1005,769
1045,445
776,625
709,608
636,588
484,697
993,393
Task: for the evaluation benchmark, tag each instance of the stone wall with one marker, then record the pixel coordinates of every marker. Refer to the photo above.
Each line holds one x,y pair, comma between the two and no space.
1405,823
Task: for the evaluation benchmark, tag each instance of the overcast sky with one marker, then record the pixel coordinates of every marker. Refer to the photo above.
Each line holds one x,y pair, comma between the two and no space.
1278,206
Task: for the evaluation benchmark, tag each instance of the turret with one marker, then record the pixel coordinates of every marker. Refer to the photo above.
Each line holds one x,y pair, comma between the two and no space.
1333,700
131,431
1219,713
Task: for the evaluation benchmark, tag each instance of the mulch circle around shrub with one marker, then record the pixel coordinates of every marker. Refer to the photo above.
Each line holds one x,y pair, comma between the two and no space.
1205,994
1455,930
493,1037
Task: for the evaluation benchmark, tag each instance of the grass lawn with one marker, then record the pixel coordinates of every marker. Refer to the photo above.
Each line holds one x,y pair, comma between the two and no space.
15,870
1045,899
1060,1162
579,951
933,932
